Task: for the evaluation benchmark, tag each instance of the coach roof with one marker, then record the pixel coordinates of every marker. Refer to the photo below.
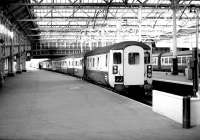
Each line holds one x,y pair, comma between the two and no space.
189,52
117,46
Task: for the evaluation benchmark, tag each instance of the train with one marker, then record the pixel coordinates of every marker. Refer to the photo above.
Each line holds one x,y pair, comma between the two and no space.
163,61
122,66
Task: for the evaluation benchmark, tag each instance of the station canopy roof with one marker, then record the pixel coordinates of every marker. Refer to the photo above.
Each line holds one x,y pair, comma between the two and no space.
144,20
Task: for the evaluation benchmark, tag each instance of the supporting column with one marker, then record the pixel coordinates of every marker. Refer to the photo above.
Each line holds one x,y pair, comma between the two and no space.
140,23
174,59
1,72
118,37
19,69
89,42
10,61
24,62
195,70
103,38
10,66
3,67
1,62
81,43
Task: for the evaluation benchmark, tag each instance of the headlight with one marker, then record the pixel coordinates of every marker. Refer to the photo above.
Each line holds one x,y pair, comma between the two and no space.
115,69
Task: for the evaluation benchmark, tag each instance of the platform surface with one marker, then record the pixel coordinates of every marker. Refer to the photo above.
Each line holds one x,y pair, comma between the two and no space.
42,105
167,76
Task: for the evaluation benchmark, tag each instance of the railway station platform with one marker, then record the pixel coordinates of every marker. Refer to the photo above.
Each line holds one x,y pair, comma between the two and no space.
39,105
167,76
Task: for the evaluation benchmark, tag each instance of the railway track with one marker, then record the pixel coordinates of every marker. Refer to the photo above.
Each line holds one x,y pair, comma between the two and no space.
169,87
180,89
134,94
147,100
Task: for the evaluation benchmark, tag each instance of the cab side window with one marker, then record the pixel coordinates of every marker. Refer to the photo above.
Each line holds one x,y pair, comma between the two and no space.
117,58
133,58
146,58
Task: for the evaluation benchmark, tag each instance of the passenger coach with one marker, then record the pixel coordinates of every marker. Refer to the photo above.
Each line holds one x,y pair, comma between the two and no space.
163,61
121,65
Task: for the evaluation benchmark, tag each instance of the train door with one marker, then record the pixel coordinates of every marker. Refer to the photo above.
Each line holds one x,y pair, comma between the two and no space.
133,65
116,68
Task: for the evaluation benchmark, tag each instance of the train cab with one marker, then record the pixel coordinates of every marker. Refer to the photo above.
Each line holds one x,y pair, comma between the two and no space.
130,66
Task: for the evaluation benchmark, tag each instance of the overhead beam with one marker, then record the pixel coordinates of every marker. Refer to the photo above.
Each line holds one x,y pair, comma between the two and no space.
12,19
75,18
111,25
113,4
30,13
14,10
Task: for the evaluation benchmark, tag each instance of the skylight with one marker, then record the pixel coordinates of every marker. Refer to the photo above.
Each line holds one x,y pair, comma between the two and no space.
59,18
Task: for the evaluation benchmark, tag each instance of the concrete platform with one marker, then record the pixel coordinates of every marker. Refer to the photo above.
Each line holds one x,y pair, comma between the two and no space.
42,105
167,76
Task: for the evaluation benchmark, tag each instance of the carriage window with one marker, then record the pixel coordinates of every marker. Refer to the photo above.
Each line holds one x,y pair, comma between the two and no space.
154,61
81,61
97,61
188,59
133,58
170,60
90,62
106,60
93,62
183,60
179,60
162,60
166,60
87,62
146,57
117,58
